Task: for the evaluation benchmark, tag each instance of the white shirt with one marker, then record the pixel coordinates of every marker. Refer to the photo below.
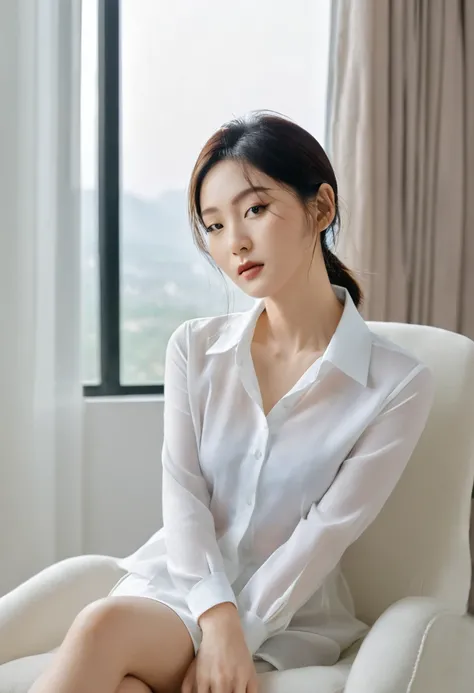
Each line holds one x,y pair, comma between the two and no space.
258,510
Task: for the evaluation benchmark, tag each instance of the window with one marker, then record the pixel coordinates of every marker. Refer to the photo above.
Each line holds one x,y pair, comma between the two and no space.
185,68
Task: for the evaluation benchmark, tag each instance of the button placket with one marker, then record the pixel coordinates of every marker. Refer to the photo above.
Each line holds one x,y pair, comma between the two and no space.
258,453
260,457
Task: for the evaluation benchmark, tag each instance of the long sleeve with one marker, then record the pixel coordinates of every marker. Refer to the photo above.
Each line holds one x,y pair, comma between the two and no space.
293,573
194,559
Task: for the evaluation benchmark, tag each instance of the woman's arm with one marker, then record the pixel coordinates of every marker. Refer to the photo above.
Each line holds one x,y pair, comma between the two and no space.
363,484
194,559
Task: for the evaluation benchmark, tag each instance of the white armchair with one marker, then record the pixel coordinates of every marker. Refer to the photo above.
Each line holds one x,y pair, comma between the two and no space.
410,572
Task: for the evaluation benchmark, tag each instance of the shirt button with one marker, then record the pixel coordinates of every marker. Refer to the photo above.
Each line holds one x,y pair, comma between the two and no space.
257,454
249,500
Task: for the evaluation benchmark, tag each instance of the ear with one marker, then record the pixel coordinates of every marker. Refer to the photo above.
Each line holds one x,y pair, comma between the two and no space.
325,205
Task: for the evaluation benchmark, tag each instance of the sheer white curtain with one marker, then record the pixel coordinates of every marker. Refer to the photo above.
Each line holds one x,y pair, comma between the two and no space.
40,381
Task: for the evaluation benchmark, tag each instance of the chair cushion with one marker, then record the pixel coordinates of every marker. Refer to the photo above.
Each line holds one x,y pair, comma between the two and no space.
18,676
419,543
307,679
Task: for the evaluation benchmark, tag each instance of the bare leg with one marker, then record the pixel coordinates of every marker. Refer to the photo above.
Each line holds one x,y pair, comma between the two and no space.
132,685
119,637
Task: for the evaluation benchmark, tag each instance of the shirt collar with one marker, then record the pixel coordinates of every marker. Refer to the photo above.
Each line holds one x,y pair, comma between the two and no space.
349,349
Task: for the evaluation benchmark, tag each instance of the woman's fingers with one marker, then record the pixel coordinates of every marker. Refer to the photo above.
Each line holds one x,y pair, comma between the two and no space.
189,681
252,685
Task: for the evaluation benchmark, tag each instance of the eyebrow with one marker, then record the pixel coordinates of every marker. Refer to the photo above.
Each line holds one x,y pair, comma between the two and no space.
238,198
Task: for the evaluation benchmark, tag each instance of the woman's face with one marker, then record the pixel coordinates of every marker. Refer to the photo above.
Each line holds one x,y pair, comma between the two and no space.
269,227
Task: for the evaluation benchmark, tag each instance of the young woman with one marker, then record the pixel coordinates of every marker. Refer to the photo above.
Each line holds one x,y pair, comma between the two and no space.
286,429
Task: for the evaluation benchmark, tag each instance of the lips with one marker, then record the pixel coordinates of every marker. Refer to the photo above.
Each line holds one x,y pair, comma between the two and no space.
249,265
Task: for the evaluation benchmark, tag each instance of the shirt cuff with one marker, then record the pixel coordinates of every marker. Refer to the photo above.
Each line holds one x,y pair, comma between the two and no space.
209,592
255,630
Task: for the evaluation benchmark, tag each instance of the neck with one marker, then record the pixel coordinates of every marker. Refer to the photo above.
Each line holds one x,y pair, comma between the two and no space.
303,318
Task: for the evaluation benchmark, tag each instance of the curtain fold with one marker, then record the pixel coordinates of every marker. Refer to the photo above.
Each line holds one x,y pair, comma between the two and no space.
401,137
41,404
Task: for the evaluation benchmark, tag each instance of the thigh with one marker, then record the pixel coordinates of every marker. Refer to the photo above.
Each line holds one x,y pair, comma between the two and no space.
132,685
133,585
145,637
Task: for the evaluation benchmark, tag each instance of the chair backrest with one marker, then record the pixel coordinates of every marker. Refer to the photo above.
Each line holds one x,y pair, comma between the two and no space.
419,543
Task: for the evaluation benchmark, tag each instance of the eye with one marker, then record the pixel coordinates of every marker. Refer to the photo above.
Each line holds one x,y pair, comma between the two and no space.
213,227
256,210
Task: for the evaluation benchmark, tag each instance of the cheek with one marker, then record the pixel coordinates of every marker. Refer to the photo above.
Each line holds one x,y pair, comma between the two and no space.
216,251
289,241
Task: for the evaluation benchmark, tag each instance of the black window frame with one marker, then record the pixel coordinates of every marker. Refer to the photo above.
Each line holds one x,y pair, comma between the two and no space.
108,211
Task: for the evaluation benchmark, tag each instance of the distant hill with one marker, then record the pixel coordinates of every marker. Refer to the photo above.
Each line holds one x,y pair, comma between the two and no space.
164,281
160,224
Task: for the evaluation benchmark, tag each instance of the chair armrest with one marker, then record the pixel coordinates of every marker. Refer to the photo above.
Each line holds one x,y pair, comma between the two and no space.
417,646
35,617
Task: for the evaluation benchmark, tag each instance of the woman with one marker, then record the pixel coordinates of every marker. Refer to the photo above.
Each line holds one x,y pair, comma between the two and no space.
286,429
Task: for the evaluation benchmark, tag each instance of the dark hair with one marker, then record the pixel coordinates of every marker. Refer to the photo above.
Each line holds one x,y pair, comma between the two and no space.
285,152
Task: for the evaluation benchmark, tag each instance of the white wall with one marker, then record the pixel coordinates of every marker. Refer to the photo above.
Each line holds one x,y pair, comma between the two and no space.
122,473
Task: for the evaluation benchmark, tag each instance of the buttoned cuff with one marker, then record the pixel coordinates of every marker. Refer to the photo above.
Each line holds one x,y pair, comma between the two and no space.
255,630
209,592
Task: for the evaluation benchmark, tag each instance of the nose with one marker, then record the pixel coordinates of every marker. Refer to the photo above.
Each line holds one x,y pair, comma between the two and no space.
239,239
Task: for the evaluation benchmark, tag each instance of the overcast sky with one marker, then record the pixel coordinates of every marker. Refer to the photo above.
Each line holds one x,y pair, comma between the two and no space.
190,65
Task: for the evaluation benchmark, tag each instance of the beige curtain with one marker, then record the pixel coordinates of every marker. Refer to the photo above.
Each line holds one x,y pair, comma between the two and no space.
401,136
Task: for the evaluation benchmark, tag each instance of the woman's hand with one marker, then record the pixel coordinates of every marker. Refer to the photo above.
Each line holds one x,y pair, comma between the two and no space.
223,663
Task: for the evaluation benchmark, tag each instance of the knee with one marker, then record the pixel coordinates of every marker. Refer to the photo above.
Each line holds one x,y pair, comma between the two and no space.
102,620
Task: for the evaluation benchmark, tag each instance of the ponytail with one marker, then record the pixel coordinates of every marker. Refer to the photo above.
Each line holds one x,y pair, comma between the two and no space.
339,274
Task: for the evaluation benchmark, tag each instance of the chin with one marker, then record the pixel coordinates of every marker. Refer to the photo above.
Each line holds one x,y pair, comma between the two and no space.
256,293
261,289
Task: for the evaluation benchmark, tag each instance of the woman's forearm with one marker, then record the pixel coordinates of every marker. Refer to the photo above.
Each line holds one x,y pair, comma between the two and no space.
224,615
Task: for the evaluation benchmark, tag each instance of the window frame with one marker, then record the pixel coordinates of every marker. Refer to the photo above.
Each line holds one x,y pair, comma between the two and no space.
108,213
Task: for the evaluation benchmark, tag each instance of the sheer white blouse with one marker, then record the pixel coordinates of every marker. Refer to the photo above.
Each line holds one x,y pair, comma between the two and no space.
258,510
